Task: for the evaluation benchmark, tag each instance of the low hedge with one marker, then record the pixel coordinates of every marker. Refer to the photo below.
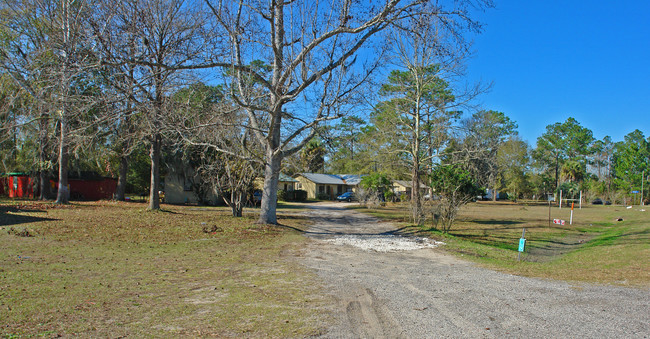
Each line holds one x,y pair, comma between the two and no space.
297,195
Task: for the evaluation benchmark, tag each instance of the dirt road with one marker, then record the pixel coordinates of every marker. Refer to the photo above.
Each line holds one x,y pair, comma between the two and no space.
423,293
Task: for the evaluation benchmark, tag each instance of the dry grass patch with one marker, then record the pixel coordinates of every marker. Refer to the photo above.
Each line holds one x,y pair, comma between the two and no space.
114,269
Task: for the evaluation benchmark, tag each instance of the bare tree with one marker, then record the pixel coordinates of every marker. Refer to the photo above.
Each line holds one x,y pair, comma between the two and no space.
158,37
232,176
455,187
50,58
213,133
422,96
311,49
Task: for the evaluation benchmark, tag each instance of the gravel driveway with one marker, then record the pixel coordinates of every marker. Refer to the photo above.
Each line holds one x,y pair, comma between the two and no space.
409,289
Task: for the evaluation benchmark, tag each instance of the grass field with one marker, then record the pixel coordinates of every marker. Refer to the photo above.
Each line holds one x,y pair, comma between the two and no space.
110,269
596,248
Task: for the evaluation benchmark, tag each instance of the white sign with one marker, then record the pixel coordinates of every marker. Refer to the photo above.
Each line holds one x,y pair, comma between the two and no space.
558,221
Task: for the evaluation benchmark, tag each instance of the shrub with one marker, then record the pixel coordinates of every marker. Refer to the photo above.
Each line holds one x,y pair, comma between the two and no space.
456,188
323,196
300,195
284,195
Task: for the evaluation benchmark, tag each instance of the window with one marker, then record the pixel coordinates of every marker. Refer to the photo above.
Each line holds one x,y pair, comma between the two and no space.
321,189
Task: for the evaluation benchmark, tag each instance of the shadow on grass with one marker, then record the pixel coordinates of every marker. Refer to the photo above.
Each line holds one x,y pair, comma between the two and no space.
494,222
295,205
9,218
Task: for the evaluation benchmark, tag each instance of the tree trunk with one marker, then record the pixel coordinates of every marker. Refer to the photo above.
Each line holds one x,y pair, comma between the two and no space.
494,186
43,186
154,154
120,190
416,199
416,203
557,171
236,204
63,194
43,180
270,191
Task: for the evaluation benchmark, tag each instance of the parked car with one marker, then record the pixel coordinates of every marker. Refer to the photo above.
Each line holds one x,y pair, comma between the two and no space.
347,196
607,202
597,201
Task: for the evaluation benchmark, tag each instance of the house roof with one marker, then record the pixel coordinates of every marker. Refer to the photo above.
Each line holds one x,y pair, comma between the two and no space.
285,178
327,179
351,179
333,179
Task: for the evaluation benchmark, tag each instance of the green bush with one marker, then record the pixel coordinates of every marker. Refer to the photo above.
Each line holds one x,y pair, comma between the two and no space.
297,195
284,195
323,196
300,195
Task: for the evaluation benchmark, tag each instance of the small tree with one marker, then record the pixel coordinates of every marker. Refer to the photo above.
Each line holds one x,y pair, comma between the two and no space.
232,176
374,186
455,187
513,162
562,142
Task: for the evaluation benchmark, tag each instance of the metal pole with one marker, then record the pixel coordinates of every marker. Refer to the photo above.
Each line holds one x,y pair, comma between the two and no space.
642,177
560,199
580,200
549,213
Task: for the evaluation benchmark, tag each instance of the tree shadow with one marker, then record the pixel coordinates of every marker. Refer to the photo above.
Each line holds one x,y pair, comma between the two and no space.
494,222
9,216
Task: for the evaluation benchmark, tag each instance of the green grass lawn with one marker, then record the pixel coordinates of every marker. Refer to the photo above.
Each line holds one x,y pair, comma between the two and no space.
596,248
108,269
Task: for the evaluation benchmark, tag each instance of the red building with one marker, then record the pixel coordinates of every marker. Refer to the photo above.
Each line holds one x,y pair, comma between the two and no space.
89,187
92,189
82,187
17,185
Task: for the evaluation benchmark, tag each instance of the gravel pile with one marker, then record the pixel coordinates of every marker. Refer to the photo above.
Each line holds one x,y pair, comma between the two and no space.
385,243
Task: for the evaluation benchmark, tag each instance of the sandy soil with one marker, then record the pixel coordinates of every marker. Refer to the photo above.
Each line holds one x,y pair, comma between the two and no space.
424,293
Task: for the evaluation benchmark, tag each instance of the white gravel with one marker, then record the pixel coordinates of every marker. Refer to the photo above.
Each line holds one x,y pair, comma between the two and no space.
385,243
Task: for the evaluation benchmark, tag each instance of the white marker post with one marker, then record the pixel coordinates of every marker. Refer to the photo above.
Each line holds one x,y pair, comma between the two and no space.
580,199
571,219
560,199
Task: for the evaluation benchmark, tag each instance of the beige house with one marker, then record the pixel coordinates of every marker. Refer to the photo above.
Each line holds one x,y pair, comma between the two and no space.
285,182
327,185
400,187
180,189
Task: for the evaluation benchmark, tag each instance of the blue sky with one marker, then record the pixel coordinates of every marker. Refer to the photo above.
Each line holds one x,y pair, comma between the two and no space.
550,60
